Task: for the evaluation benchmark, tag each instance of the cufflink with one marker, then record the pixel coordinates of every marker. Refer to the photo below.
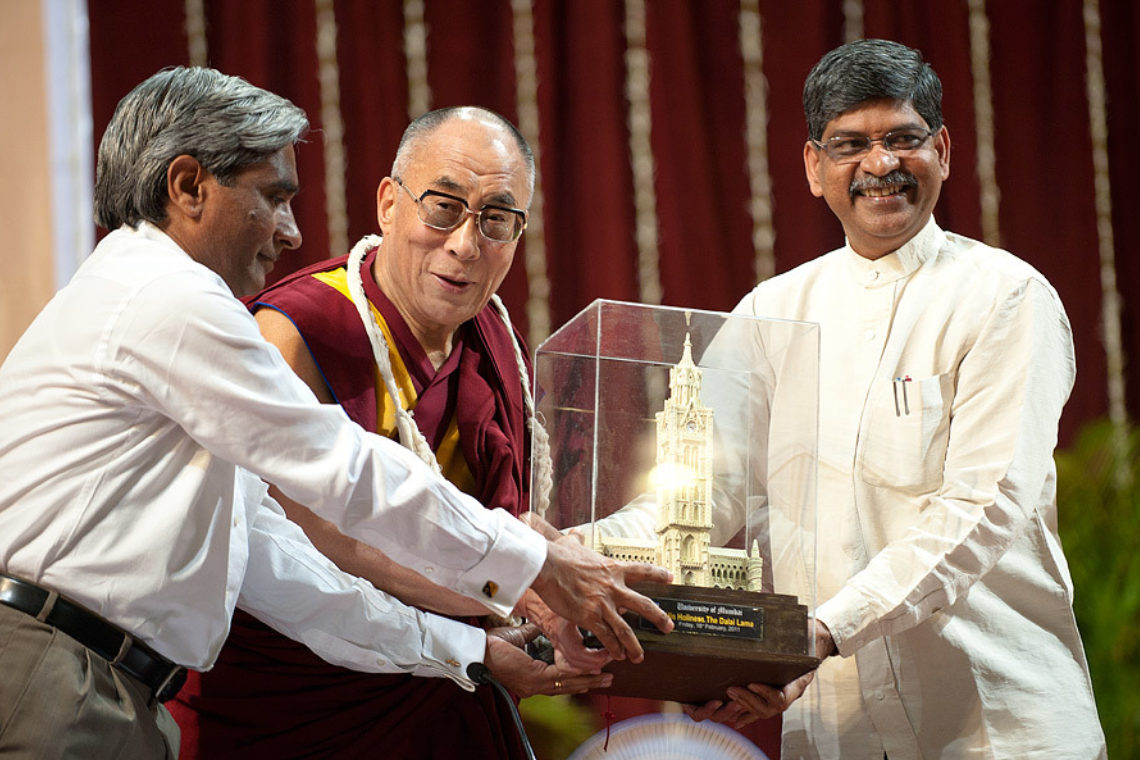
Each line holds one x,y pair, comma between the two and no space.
452,662
490,589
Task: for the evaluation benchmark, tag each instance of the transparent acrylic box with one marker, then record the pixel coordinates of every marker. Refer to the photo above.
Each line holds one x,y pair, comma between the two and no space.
688,439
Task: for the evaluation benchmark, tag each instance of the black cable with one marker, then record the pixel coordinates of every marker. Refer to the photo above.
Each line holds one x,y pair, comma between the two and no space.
480,673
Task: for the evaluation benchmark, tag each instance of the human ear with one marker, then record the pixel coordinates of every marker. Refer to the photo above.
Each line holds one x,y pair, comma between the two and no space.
386,195
185,185
811,169
942,146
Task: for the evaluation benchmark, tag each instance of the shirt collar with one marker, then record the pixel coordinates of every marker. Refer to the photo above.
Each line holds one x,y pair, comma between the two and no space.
899,263
149,231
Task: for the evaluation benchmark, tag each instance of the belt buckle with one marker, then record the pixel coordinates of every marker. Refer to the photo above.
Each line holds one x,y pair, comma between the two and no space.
171,684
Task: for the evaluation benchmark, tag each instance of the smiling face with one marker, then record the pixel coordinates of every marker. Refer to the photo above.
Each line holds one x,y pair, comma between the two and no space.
884,199
438,280
248,222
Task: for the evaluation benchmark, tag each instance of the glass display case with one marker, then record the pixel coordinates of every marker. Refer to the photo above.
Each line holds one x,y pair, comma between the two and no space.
687,438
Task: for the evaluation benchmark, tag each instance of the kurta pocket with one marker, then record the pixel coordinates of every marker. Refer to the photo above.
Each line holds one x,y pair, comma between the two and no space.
902,442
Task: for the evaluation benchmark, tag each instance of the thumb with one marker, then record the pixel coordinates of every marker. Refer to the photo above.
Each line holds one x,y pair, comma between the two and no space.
519,635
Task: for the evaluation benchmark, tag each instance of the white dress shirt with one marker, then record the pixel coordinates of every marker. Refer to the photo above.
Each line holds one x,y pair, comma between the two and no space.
132,409
939,566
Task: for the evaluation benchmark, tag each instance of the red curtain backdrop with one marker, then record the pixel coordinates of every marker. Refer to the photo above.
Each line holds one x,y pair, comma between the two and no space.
1044,164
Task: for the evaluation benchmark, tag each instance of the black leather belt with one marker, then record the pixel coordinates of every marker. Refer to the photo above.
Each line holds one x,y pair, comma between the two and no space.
104,639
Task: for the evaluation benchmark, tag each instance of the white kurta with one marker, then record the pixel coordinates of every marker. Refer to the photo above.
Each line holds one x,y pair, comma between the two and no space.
135,409
939,565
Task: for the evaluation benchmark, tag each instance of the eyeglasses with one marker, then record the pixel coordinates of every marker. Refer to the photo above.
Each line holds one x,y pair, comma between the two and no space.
441,211
850,149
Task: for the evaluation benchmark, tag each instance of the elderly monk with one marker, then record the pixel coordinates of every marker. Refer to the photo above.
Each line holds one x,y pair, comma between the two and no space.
407,322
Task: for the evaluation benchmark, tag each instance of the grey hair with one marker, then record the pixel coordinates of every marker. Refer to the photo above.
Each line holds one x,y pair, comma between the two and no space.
866,70
424,125
223,121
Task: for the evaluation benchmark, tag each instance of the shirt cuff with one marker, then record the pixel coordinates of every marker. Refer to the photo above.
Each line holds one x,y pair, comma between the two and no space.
844,615
507,570
448,648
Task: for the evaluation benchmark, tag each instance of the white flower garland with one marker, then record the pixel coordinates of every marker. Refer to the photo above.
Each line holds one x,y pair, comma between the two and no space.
410,435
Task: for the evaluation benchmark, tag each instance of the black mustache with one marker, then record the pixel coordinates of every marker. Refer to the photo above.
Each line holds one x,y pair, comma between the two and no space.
897,177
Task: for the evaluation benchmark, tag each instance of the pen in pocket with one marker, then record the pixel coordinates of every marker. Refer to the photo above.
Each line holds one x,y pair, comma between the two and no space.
900,382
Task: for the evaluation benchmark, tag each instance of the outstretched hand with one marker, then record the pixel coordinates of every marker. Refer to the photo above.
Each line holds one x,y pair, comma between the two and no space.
758,700
747,704
525,676
592,591
570,650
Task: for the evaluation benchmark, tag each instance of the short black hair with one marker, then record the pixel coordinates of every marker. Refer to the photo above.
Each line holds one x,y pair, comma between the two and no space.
866,70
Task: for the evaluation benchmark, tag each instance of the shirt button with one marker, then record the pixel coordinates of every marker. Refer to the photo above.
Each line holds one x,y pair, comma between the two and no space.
880,696
380,661
428,570
869,335
873,275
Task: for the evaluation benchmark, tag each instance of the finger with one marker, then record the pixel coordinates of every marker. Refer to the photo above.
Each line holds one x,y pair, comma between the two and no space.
582,684
528,632
730,713
608,640
702,712
773,696
625,635
755,703
567,667
638,572
796,688
648,609
580,658
517,636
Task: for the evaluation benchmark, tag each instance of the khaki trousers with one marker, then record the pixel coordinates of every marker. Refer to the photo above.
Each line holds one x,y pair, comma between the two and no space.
60,700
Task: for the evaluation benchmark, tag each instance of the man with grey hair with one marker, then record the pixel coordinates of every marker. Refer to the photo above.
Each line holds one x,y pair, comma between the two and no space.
407,322
140,408
944,365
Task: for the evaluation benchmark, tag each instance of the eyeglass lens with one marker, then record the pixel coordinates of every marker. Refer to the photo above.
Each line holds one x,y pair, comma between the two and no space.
847,147
500,225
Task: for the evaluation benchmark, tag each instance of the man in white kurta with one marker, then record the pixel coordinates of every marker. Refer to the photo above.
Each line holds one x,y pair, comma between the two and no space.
944,366
946,589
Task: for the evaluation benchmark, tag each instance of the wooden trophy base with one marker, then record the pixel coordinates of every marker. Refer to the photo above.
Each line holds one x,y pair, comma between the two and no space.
722,638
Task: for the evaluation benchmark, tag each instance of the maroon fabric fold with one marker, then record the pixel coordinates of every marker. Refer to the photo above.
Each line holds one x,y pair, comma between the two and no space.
479,382
269,696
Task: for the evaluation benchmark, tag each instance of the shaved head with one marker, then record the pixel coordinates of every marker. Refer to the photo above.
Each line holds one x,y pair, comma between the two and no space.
425,125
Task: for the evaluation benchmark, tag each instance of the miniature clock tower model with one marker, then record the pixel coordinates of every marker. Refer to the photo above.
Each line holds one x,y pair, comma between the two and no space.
684,466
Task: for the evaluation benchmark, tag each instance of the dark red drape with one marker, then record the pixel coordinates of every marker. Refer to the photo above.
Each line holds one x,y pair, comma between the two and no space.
1044,164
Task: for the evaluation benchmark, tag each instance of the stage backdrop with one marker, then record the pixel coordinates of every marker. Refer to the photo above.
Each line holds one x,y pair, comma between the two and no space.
669,134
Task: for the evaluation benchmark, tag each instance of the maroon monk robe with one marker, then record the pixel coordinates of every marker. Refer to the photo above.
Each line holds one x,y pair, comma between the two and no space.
269,696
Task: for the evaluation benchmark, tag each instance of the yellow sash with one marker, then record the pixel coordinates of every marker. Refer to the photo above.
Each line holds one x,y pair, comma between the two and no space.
450,453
